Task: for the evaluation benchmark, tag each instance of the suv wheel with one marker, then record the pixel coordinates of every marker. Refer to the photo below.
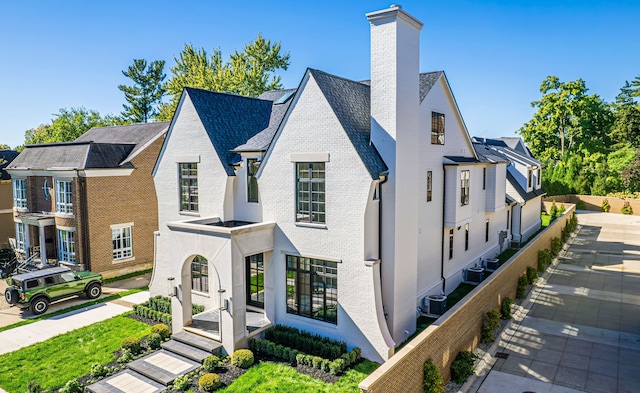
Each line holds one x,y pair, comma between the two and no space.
39,306
11,295
94,291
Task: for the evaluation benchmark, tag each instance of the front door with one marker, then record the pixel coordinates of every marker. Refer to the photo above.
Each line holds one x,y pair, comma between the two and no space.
255,280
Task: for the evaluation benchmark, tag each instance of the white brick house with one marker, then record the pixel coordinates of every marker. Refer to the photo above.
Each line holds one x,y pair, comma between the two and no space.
335,207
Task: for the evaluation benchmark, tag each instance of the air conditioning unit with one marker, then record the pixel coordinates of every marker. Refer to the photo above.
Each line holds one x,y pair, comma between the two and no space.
435,305
473,275
491,264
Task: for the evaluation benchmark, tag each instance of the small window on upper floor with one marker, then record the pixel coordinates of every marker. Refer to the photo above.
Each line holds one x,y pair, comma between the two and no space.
529,178
538,176
429,185
484,178
464,187
437,128
252,182
20,193
188,180
310,192
64,201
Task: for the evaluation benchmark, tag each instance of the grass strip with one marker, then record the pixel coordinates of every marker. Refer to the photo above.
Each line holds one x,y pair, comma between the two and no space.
72,308
70,355
128,275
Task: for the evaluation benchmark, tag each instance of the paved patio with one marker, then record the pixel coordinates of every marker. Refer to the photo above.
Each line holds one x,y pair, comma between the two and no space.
580,330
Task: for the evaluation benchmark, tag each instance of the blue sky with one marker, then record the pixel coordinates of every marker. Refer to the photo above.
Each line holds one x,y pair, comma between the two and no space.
63,54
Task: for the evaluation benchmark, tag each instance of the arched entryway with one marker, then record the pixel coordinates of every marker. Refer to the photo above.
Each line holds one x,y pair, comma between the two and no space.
202,297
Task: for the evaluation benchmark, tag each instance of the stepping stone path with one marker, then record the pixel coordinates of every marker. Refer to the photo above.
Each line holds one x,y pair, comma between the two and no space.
152,373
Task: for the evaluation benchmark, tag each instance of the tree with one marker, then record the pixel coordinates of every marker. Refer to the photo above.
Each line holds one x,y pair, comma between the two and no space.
631,174
67,125
147,90
626,126
250,72
4,147
566,119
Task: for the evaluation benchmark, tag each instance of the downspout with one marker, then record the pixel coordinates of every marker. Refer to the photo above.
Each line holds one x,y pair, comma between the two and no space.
85,221
444,199
385,177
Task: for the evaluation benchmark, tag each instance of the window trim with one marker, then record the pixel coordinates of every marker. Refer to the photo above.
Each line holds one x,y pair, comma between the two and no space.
125,251
429,186
259,269
20,193
304,281
465,178
64,196
317,216
252,181
190,204
437,128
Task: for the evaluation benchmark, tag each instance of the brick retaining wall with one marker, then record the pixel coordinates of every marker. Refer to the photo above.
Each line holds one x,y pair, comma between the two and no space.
595,202
459,328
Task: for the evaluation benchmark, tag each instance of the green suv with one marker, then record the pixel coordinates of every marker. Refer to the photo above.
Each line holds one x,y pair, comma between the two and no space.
35,290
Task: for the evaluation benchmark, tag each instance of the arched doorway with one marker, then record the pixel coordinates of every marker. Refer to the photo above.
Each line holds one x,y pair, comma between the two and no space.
201,297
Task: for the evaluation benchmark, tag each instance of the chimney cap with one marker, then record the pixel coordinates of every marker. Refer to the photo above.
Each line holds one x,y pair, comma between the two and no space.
394,12
395,6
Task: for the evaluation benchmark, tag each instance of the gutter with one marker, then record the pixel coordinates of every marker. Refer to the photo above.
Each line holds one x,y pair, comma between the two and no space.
444,199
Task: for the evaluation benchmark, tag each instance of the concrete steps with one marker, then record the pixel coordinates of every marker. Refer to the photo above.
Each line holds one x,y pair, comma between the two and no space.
163,366
199,342
186,350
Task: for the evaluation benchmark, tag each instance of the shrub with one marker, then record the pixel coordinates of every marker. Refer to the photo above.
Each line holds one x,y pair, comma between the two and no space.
34,387
462,366
553,211
324,366
209,382
626,209
556,246
315,363
126,356
300,358
521,289
72,386
306,342
278,351
532,275
154,340
505,308
492,322
581,205
432,378
544,259
131,344
196,309
162,330
561,209
182,383
211,363
337,366
99,371
605,207
242,358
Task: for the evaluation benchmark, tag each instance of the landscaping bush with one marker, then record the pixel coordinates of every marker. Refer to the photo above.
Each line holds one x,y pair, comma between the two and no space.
242,358
521,289
553,211
131,344
196,309
432,378
182,383
544,259
492,322
626,209
561,209
209,382
556,246
306,342
462,366
532,275
505,308
605,207
337,366
162,330
72,386
154,340
34,387
582,206
126,356
99,371
211,363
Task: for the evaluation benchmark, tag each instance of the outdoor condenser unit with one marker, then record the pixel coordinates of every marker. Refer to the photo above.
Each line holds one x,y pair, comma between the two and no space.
491,264
473,275
435,304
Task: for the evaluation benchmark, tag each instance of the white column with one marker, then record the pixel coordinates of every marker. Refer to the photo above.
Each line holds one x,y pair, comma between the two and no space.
43,247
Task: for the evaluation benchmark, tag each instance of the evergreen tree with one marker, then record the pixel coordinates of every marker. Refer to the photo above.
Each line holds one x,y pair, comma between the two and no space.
146,92
626,126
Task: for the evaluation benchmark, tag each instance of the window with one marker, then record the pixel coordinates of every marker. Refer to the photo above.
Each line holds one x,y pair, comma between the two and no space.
484,178
121,239
466,237
200,274
255,280
429,185
68,277
188,187
450,243
66,246
310,198
64,203
486,231
252,182
464,187
508,218
20,193
312,288
529,177
20,236
538,176
437,128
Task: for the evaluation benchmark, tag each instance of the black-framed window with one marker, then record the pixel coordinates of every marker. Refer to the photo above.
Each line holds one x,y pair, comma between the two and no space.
429,185
252,182
312,288
486,231
437,128
466,237
200,274
538,176
450,243
464,187
310,192
255,280
484,178
529,178
188,173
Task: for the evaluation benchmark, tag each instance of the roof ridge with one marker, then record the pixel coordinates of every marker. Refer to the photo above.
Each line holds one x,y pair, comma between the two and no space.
198,89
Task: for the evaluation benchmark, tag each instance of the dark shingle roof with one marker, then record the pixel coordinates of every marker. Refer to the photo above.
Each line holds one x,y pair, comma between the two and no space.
487,155
350,102
72,155
262,140
462,160
521,191
427,80
135,134
229,120
8,156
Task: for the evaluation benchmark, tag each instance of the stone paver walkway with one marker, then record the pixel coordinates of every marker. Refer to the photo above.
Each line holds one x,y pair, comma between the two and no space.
580,329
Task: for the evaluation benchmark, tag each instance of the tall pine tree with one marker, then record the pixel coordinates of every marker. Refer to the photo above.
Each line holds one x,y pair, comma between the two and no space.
146,92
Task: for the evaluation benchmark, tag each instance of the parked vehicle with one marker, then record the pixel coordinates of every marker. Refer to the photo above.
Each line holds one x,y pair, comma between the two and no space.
35,290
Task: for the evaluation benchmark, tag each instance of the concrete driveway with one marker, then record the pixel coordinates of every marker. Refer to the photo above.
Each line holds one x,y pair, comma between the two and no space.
580,329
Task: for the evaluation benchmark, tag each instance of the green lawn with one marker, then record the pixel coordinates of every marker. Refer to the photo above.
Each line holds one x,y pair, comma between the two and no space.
53,362
279,378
